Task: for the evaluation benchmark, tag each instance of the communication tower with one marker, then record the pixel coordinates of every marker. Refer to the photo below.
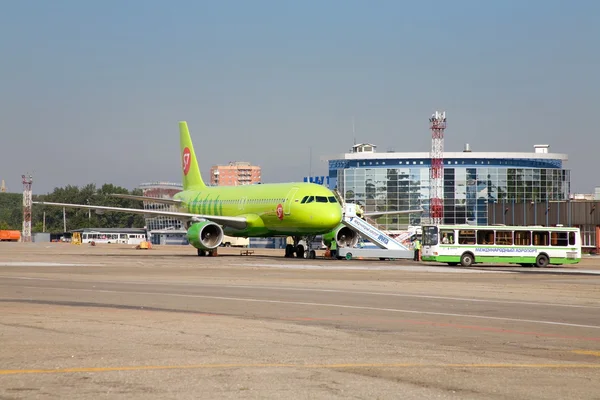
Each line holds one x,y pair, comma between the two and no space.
27,199
3,187
437,124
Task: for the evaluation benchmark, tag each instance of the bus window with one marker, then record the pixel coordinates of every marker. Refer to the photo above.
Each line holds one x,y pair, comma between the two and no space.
466,237
504,238
485,237
430,235
523,238
559,238
321,199
540,238
447,236
572,239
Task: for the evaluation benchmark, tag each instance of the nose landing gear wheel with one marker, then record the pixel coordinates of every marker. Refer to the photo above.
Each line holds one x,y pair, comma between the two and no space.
310,254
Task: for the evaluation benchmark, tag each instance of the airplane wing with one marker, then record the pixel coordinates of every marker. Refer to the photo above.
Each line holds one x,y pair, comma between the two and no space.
234,222
380,213
147,199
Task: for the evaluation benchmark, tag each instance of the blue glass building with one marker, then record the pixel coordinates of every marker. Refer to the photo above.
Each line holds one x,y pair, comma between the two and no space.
472,180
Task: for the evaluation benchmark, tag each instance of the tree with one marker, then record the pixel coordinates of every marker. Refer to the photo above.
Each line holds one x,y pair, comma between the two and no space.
75,218
11,210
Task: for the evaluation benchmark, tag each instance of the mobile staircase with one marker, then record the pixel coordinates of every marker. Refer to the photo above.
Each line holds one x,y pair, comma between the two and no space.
387,247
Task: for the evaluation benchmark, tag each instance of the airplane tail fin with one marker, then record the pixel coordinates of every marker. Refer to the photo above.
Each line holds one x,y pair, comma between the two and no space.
192,179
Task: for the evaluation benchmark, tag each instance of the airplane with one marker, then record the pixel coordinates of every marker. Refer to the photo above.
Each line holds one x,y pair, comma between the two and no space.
300,210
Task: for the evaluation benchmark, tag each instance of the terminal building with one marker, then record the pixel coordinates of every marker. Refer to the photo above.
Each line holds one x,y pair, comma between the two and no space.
394,181
161,229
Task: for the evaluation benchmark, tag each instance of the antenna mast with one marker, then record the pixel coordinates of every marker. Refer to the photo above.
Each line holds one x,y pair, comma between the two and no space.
437,124
27,199
309,163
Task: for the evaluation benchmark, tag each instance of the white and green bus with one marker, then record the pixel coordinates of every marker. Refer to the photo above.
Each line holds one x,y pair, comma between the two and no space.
524,245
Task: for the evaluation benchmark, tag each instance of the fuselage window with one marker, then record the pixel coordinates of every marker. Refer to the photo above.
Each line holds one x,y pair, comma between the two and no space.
310,199
332,199
304,199
321,199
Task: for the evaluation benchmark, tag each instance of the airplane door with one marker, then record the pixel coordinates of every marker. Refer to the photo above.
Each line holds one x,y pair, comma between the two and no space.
242,203
289,199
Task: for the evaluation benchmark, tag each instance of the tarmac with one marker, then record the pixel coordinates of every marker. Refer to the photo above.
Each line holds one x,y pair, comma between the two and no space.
110,321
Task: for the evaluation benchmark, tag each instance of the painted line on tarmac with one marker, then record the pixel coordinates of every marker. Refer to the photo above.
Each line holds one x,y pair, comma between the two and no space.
412,268
43,264
298,366
587,352
418,296
286,288
329,305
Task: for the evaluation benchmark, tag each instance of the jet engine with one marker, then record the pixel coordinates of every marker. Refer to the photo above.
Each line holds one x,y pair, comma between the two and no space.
344,236
205,235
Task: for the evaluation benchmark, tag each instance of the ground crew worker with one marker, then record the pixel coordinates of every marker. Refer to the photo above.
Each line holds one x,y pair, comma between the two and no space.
333,249
417,247
359,211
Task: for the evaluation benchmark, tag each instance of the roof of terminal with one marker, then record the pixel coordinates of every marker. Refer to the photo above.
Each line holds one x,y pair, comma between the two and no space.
450,155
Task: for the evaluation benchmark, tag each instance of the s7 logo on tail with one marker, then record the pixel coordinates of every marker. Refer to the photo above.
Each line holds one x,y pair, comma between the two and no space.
186,157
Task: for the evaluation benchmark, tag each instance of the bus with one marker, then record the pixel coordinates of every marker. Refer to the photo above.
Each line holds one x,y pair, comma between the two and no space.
106,237
524,245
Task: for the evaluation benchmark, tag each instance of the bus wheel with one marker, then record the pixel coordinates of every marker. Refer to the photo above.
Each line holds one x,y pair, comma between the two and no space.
466,259
541,261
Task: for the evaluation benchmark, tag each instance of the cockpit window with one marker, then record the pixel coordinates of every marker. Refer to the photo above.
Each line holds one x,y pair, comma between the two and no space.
304,199
321,199
332,199
310,199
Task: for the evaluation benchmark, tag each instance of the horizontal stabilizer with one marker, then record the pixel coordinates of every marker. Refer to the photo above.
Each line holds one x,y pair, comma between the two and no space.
147,199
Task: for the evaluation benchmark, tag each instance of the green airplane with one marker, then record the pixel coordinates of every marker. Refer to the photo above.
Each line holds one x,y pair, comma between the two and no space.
300,210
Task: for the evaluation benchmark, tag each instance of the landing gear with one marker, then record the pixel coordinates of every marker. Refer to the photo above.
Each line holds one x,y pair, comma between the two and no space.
289,251
298,249
205,253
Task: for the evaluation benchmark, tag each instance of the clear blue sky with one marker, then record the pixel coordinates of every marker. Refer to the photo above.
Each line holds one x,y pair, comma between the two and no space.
91,91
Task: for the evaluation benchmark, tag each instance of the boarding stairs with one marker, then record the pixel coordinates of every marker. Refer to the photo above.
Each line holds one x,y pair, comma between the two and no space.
388,247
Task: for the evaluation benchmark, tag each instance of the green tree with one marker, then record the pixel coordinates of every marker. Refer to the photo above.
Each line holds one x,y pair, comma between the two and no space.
11,209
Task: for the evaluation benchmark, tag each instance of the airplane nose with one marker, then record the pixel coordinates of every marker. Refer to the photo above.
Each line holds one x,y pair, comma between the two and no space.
334,217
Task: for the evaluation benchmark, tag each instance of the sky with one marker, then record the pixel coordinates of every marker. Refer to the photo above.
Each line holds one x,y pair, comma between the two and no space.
91,91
